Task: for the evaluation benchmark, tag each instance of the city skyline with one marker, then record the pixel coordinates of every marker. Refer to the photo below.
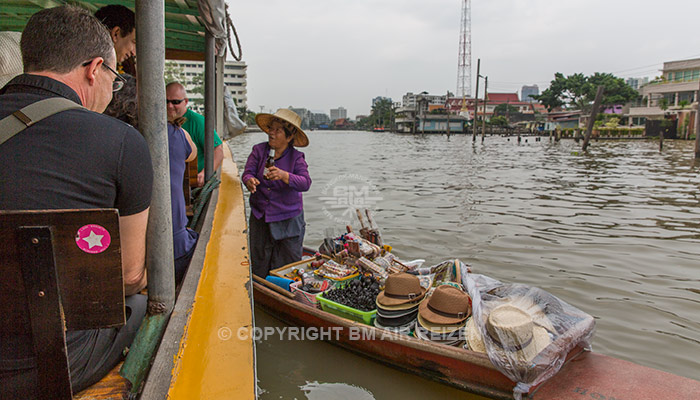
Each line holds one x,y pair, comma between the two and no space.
324,55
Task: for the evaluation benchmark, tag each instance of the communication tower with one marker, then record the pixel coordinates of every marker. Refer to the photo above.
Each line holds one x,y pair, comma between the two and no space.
464,65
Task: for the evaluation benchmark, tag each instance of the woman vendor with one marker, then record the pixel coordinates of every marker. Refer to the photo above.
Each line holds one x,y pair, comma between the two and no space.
276,174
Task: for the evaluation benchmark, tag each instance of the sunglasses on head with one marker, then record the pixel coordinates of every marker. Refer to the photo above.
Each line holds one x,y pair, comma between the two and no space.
175,102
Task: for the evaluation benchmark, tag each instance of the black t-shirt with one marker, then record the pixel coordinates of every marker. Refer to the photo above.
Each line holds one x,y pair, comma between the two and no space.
73,159
70,160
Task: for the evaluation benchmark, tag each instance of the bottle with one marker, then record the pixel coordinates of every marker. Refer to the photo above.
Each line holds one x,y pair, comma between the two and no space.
269,163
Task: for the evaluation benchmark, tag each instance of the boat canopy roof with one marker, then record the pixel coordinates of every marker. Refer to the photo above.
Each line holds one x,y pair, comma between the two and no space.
184,22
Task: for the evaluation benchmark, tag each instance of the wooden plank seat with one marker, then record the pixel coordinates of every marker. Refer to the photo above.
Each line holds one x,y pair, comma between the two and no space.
61,271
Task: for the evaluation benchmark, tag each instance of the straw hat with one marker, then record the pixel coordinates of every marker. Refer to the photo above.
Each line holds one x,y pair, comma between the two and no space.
11,60
401,288
439,329
447,305
474,340
515,334
286,117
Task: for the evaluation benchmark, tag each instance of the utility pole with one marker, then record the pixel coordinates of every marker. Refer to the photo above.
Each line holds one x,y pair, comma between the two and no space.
476,99
486,101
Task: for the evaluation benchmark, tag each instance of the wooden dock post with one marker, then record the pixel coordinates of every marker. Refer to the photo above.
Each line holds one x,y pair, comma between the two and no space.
486,100
697,126
476,100
594,113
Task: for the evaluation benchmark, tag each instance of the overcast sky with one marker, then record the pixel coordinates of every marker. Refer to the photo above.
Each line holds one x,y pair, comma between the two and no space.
321,54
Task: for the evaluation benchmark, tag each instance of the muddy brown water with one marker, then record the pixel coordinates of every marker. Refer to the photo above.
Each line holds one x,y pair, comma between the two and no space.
613,231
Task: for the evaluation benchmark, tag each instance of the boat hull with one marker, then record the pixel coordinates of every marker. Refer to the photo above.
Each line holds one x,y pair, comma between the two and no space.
585,375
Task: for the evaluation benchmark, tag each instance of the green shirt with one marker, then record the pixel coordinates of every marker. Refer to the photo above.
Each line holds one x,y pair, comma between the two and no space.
195,127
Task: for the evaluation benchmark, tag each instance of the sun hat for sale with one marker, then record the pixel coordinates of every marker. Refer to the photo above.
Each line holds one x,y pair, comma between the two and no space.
286,117
399,289
447,305
474,340
515,334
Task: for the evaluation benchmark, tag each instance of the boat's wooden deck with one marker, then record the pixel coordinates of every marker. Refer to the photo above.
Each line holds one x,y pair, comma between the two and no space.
212,362
111,387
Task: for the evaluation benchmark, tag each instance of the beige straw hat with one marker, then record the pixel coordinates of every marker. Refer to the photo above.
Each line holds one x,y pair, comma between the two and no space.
286,117
475,341
11,60
515,334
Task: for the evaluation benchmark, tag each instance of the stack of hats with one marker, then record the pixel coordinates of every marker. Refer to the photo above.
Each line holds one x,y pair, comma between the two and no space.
442,317
397,304
516,338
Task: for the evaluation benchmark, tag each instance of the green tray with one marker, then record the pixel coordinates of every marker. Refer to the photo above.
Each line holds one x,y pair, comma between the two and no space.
344,311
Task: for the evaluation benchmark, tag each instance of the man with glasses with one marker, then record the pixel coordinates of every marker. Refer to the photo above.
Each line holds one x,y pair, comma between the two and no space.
74,159
177,103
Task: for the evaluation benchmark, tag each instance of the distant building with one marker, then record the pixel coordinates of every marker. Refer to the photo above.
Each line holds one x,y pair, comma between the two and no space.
679,88
320,119
305,115
235,79
338,113
637,83
527,91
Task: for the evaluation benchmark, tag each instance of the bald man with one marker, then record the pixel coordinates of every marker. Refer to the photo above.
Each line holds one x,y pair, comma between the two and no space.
177,104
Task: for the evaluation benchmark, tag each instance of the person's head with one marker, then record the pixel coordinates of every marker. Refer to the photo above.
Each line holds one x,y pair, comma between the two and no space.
124,104
282,128
176,98
280,134
67,43
121,24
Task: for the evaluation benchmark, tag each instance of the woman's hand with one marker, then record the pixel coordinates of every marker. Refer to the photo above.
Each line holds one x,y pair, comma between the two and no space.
252,184
276,174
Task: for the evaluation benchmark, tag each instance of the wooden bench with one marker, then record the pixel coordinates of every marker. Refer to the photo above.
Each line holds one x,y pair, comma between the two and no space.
61,271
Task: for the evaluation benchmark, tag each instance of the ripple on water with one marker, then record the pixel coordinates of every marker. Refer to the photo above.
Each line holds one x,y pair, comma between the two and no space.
615,231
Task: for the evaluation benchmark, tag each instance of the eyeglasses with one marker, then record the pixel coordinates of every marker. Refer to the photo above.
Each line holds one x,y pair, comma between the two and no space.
118,83
174,102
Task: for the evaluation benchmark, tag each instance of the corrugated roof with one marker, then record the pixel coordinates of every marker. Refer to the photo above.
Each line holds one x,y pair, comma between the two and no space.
184,30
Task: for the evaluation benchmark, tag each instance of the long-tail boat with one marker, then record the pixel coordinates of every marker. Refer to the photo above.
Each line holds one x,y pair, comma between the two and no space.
585,374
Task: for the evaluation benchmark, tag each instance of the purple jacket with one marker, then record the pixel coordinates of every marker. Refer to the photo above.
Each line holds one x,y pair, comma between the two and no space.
275,200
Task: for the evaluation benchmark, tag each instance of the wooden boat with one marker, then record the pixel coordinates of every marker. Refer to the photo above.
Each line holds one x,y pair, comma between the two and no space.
585,375
184,350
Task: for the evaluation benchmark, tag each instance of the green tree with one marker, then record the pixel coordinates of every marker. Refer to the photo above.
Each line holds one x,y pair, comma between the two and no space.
663,104
174,72
499,120
382,114
198,82
505,108
578,91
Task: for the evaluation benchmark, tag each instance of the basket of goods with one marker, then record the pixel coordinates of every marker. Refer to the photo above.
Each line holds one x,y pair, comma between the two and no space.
354,300
306,291
296,270
330,269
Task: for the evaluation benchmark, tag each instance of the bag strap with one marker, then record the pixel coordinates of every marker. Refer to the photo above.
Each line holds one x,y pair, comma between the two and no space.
31,114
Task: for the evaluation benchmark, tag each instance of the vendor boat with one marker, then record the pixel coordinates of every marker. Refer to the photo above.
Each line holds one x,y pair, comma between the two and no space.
584,375
184,348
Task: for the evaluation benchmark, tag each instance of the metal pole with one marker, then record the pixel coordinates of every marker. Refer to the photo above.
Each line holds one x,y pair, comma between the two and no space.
476,99
150,24
486,101
209,105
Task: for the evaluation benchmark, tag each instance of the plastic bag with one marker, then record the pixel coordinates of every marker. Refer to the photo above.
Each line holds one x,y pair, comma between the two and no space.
526,331
234,125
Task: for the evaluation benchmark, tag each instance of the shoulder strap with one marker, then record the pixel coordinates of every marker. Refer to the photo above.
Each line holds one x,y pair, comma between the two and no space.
29,115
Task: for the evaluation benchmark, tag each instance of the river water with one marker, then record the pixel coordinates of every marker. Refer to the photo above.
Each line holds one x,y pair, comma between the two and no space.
613,231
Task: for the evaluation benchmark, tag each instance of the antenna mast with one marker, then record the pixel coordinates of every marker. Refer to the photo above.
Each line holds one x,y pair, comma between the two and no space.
464,65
